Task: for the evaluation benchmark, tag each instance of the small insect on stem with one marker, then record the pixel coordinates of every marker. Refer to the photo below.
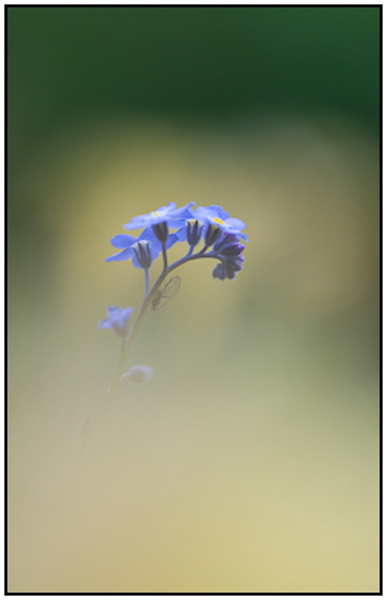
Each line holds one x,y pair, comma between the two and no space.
168,292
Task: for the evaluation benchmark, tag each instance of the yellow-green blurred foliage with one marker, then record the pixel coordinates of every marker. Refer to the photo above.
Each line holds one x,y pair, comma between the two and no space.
250,462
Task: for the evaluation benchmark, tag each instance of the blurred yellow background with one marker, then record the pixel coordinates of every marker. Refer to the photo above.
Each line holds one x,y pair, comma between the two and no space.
250,463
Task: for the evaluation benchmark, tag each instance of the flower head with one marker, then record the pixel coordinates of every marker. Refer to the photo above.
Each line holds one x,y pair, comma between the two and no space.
216,217
171,215
118,320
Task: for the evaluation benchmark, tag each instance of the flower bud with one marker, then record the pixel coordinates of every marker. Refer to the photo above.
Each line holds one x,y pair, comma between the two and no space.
236,263
212,234
220,272
139,373
193,234
229,245
161,231
228,268
224,240
232,250
142,253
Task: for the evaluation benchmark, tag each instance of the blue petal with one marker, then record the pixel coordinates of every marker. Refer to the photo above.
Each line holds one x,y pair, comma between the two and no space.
154,250
151,218
184,212
181,234
138,222
170,214
124,255
149,235
172,239
220,212
119,321
122,240
105,324
212,212
236,224
171,206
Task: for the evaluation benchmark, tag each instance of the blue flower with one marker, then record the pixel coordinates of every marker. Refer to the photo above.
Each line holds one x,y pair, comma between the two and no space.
216,217
127,244
166,214
118,320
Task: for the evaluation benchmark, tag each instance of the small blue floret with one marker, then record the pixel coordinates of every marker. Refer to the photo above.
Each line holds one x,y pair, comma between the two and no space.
216,216
127,244
118,320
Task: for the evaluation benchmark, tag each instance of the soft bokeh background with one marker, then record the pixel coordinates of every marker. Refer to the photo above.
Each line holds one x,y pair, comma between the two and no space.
250,462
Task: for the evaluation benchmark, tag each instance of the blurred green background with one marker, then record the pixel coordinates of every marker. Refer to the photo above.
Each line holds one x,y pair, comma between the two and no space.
250,462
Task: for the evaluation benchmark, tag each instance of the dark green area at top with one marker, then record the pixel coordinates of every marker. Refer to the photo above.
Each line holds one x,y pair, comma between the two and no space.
206,62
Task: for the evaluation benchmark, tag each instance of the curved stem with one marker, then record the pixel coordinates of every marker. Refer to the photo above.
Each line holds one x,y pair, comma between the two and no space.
126,347
187,258
189,252
130,340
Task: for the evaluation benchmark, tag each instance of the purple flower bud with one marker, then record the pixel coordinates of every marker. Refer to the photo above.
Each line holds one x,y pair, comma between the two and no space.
224,240
220,271
229,245
232,250
228,267
236,263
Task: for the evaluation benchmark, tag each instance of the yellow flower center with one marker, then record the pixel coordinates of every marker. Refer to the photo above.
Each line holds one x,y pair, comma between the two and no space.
219,221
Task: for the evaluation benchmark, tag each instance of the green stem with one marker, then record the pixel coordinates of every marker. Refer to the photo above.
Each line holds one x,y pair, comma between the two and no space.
147,282
164,256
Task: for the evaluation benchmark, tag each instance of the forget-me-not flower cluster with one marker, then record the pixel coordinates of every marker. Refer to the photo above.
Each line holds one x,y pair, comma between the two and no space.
211,224
220,236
